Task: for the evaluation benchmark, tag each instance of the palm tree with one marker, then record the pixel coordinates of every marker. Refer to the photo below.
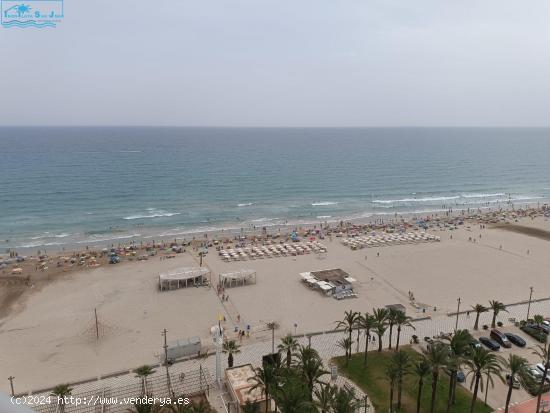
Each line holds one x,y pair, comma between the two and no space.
292,393
349,322
380,315
421,370
344,401
478,308
289,345
544,354
402,320
265,379
324,397
481,361
345,344
538,320
401,361
392,314
310,367
143,372
497,307
459,347
516,366
61,391
392,376
366,322
230,347
436,357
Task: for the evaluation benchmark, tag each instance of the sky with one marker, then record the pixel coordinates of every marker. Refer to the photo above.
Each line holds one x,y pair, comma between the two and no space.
282,63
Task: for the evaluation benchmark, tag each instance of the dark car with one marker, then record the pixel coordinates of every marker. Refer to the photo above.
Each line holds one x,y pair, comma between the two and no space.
500,338
460,377
515,339
541,327
489,343
474,343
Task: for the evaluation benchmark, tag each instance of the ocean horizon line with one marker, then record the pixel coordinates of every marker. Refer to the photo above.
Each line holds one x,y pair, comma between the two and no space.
374,127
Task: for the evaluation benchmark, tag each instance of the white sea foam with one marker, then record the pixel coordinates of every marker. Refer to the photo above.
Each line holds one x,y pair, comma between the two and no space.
526,198
39,244
426,199
48,235
246,204
153,213
482,195
324,203
92,240
323,216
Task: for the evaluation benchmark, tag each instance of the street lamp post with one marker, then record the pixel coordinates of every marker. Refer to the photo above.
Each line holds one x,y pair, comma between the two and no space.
529,305
166,363
11,385
457,312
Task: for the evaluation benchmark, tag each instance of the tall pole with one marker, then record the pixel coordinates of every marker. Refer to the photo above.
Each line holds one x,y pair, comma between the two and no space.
487,388
457,312
11,385
218,340
166,360
529,305
96,325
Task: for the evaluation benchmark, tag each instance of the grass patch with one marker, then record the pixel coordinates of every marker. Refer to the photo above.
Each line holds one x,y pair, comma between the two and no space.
373,381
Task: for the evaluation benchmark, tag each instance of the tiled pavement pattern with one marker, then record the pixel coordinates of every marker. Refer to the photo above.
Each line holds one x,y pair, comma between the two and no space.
324,343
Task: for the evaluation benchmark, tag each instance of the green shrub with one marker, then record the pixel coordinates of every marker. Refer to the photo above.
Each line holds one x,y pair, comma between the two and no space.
538,335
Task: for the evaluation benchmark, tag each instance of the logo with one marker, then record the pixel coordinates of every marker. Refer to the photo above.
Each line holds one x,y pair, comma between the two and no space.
31,13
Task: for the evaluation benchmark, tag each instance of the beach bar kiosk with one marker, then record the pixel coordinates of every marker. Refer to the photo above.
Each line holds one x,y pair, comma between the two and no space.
183,277
240,383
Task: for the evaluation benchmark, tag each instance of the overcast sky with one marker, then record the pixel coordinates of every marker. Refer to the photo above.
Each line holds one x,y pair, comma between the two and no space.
282,63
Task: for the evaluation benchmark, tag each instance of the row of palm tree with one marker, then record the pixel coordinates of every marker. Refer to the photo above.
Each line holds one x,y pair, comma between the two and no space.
297,385
494,305
482,367
379,322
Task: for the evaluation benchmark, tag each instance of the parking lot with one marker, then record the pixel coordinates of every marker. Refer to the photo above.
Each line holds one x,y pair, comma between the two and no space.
497,396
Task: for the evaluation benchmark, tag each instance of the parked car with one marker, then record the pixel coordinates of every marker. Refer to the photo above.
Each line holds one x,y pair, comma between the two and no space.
515,339
500,338
535,373
489,343
515,384
541,327
460,376
474,343
540,367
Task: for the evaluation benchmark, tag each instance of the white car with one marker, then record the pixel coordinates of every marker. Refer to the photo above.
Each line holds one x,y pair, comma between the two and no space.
540,367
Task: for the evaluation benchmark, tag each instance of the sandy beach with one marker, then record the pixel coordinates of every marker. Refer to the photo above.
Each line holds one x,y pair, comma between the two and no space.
49,336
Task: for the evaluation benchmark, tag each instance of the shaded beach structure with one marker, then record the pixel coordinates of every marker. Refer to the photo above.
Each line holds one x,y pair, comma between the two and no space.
332,282
237,278
183,277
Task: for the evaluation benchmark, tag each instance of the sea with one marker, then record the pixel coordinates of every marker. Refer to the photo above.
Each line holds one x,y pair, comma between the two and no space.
64,187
